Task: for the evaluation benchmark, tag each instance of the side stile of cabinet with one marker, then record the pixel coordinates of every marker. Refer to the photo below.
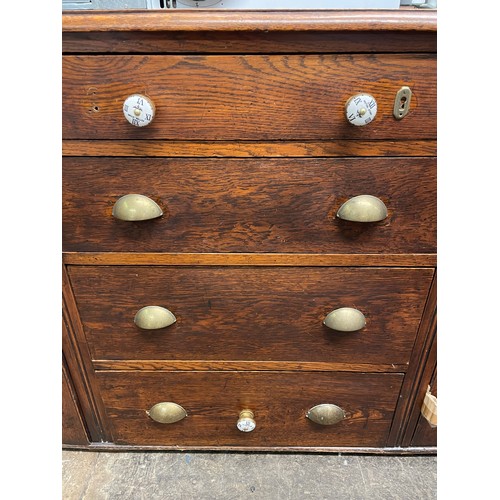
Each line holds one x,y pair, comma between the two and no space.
74,432
419,430
412,393
425,434
80,369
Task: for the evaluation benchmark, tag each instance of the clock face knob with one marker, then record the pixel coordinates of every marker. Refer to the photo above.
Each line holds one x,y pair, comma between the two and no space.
361,109
139,110
246,422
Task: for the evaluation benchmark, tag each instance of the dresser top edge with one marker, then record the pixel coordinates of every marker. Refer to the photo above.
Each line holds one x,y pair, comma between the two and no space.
241,21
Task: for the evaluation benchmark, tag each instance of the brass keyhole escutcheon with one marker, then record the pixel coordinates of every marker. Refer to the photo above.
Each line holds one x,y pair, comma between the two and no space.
402,103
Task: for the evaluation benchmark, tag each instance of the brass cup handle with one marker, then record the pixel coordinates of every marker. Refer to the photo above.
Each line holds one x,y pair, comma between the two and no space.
345,319
246,421
326,414
136,207
166,413
154,318
363,208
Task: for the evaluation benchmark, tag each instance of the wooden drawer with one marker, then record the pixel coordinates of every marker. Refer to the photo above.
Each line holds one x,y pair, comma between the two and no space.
252,314
249,205
279,401
247,97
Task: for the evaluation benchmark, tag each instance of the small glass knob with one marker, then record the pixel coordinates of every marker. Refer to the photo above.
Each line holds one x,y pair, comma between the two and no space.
139,110
246,422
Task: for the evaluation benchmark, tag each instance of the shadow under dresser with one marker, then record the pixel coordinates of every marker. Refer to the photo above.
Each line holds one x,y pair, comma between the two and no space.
249,230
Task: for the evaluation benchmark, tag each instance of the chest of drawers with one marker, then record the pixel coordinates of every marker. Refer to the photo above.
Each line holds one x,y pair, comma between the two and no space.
246,312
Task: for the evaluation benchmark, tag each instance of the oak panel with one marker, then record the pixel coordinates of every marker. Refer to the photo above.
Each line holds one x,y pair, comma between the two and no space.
249,259
79,366
248,149
222,31
249,205
73,427
218,366
251,314
358,21
227,42
279,402
255,97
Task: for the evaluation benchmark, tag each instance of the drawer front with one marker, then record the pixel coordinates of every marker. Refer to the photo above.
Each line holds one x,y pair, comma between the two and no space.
247,97
279,402
251,314
250,205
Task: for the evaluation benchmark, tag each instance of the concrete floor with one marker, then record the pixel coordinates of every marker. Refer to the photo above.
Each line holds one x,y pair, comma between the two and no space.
240,476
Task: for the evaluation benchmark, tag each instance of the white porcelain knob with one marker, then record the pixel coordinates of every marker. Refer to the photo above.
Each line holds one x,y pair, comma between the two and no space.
139,110
361,109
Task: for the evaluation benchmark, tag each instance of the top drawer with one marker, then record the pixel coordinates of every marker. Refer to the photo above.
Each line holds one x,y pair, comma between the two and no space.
261,97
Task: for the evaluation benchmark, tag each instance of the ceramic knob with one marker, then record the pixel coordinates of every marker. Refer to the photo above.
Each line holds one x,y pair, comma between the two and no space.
361,109
139,110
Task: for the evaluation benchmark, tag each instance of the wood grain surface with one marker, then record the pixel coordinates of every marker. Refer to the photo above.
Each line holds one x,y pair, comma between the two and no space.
249,149
413,389
250,259
256,97
223,31
77,358
357,20
232,366
251,314
248,42
243,205
73,427
279,402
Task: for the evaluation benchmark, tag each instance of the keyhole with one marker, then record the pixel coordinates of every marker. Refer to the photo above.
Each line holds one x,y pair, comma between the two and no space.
402,103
